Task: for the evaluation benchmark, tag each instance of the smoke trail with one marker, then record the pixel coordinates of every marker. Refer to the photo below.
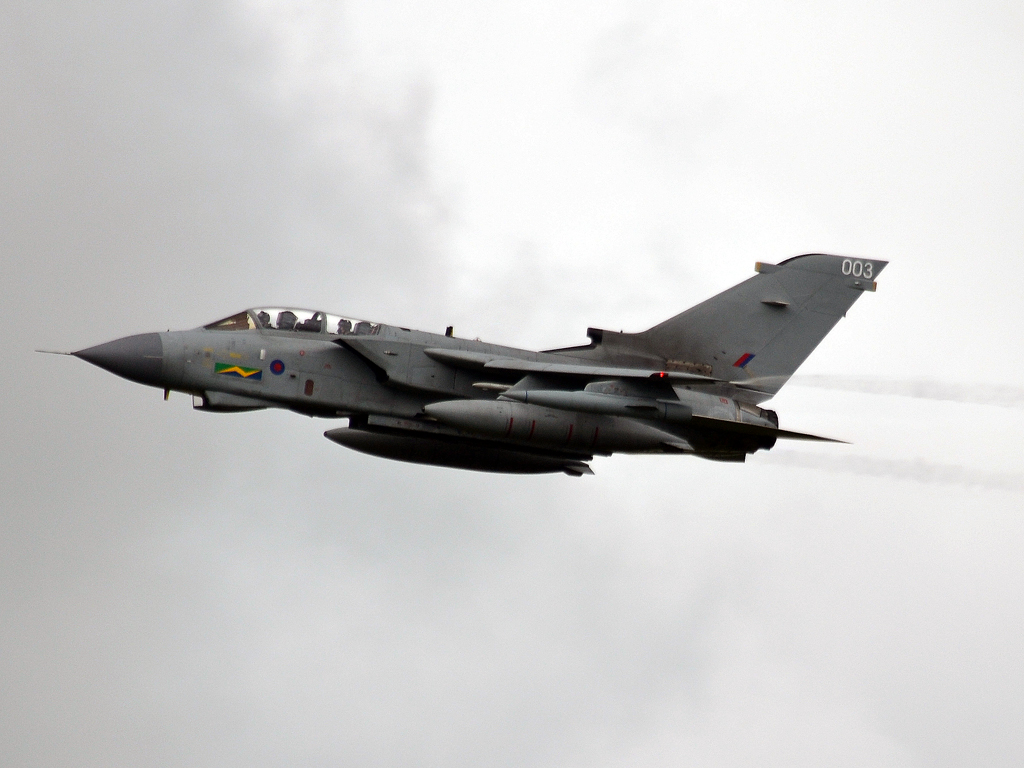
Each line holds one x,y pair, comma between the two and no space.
985,394
915,470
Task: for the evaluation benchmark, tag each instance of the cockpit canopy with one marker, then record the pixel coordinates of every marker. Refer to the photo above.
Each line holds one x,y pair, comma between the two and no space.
295,320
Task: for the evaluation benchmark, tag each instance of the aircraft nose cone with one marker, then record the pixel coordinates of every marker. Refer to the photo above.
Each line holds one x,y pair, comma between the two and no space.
137,358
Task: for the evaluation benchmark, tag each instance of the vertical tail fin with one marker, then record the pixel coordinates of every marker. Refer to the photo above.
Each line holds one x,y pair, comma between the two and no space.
760,331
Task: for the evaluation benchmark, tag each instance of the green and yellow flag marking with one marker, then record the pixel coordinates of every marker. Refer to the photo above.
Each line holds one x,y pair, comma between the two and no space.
230,369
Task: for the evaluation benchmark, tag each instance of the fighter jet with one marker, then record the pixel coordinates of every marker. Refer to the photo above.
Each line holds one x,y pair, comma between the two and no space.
690,385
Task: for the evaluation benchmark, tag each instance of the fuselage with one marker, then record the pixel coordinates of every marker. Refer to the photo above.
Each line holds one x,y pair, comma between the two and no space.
690,384
401,382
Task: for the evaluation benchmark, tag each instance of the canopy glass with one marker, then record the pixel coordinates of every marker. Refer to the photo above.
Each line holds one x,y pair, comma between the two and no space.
295,320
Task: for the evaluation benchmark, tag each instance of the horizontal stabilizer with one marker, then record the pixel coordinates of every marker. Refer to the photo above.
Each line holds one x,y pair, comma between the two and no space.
738,427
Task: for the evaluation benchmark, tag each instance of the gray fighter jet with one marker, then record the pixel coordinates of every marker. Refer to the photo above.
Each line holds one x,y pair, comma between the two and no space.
692,384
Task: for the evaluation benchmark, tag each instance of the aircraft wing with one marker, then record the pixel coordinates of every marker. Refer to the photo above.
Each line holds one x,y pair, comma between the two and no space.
380,353
483,360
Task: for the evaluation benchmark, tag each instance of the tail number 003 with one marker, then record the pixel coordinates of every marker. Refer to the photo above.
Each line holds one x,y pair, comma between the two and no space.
858,268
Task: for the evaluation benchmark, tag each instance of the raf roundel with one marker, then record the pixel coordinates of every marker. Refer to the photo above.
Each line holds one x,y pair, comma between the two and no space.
277,367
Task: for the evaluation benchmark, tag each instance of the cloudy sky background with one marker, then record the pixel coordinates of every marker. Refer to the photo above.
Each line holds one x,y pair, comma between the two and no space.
180,588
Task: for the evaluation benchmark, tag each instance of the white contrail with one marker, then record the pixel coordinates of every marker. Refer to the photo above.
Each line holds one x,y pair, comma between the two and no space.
915,470
985,394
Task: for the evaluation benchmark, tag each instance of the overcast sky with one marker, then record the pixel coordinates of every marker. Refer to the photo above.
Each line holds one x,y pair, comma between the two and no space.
181,588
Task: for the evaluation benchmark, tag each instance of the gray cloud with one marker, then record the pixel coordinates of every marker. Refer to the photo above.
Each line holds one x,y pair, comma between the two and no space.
171,144
181,588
